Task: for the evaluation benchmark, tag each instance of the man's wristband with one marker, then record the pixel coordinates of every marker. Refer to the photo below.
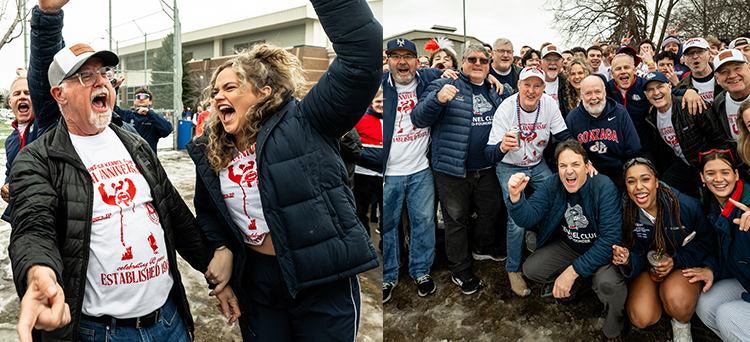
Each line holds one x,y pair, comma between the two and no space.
221,248
650,62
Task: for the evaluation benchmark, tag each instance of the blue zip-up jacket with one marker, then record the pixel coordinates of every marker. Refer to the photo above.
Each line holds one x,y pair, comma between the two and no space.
305,194
731,257
610,138
451,122
151,127
637,104
548,204
693,219
390,103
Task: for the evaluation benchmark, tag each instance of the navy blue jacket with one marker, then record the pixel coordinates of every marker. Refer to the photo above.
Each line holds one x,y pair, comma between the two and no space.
613,128
451,122
305,195
390,102
151,127
731,255
693,219
547,205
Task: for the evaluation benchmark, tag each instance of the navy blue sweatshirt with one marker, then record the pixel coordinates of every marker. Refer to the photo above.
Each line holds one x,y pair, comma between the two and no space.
610,138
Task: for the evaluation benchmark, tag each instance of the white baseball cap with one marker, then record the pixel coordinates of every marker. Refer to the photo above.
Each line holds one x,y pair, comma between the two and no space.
731,55
550,49
739,42
68,60
531,71
696,42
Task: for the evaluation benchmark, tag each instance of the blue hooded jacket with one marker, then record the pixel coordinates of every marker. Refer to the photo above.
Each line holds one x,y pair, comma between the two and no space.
681,70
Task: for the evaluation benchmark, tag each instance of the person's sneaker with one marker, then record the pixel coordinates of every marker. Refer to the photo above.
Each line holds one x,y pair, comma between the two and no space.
681,332
518,285
388,290
489,253
530,241
467,281
425,285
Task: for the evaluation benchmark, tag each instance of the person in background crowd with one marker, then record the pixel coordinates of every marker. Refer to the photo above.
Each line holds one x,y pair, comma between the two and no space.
201,123
20,103
715,45
463,125
742,44
665,62
696,52
724,305
538,117
580,219
270,186
567,56
408,177
678,148
517,61
607,54
443,59
424,62
578,69
502,66
578,52
658,220
604,128
368,173
673,44
594,58
733,75
647,51
524,49
150,125
531,58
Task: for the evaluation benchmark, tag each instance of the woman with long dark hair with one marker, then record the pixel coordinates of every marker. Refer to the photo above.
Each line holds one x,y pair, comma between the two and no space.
271,191
663,232
724,305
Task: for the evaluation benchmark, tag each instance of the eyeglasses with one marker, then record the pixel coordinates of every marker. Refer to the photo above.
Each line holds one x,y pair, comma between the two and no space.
504,52
88,77
552,59
701,154
142,96
473,60
693,52
407,58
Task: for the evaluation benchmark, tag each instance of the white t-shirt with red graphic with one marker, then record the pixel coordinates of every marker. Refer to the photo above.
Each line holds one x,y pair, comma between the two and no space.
732,108
239,186
666,131
705,89
409,144
550,122
551,88
128,270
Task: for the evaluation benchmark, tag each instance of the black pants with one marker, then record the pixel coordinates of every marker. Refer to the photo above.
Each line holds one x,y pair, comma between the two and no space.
365,187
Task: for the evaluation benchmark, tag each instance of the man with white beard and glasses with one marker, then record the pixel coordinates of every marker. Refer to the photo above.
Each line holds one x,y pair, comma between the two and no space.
538,117
95,221
679,136
552,67
604,128
732,74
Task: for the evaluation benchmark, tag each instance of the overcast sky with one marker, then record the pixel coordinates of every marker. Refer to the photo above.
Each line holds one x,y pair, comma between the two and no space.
522,21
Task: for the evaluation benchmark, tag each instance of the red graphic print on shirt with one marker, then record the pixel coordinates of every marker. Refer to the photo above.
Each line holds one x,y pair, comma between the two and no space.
122,196
404,108
245,178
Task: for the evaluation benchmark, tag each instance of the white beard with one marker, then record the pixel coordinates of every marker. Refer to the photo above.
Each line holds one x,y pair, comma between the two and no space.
101,120
595,109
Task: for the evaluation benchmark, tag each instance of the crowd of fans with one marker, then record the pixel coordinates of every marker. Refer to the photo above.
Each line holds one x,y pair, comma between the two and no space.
621,166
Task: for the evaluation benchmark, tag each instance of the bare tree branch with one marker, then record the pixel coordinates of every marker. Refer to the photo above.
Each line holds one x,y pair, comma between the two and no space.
10,34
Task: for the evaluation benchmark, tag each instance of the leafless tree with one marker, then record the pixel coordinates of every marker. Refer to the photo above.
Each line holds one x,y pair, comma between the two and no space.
724,19
11,14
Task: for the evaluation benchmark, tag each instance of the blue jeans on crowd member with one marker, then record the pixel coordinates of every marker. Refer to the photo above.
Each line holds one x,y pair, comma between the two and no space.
169,328
456,194
418,190
538,173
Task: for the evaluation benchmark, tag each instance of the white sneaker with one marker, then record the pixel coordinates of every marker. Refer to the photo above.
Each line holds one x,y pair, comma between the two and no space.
681,331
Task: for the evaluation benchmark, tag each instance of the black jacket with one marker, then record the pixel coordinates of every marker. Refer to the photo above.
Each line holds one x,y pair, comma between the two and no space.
51,196
695,133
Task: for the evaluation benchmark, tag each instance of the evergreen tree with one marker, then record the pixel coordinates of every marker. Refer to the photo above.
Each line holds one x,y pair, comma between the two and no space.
163,83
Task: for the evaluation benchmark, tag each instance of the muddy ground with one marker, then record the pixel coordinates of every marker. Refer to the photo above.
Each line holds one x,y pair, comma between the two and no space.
495,314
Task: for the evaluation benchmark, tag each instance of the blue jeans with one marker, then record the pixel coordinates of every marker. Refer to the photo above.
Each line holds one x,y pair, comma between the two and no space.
169,328
418,190
538,173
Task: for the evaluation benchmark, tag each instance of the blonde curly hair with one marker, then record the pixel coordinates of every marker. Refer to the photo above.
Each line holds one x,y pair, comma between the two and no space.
264,65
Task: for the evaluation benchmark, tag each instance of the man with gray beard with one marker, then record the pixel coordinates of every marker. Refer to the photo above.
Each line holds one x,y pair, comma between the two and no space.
604,129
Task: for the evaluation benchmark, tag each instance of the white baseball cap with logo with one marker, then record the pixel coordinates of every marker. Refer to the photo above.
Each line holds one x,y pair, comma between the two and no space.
68,60
531,71
550,49
695,43
726,56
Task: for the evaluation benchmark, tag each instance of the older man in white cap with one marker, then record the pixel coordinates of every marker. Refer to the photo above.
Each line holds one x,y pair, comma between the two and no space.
537,117
701,77
732,74
95,219
553,77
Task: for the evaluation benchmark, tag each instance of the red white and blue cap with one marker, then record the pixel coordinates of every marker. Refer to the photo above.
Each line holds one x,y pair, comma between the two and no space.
696,42
531,71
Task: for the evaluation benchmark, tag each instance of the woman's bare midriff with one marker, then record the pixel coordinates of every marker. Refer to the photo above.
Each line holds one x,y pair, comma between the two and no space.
264,248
